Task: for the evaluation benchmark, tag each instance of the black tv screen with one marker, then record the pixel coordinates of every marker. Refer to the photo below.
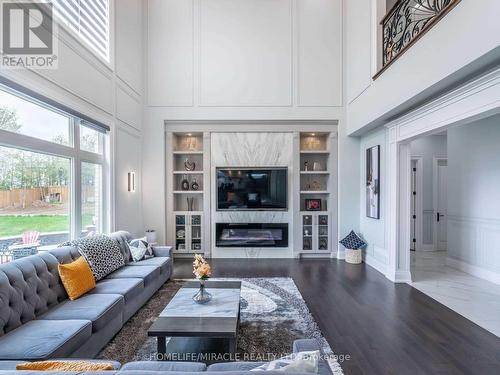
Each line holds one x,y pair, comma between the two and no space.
252,189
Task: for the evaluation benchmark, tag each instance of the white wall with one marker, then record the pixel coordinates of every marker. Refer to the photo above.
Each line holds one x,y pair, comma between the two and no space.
373,230
109,93
464,35
242,60
473,199
246,59
428,148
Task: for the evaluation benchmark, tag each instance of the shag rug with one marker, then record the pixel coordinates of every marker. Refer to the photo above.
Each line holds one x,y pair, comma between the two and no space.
273,314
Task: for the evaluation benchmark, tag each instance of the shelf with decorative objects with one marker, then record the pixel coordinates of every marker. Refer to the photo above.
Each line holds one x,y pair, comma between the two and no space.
187,192
317,188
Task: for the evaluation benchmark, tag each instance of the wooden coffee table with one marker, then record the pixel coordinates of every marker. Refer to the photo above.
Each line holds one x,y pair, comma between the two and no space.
196,328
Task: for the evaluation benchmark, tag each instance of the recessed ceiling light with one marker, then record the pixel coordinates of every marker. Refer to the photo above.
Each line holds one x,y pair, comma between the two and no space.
189,134
313,134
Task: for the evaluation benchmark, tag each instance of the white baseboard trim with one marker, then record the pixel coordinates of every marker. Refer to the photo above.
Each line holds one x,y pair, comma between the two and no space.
341,254
375,263
473,270
399,277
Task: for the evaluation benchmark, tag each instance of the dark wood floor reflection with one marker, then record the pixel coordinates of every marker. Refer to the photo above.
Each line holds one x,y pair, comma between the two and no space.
385,328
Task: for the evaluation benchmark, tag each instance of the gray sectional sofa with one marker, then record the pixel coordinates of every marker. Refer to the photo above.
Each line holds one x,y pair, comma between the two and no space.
185,368
38,321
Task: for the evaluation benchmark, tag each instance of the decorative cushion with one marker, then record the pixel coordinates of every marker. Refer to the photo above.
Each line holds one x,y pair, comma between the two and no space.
101,253
352,241
65,366
138,250
296,362
139,242
77,278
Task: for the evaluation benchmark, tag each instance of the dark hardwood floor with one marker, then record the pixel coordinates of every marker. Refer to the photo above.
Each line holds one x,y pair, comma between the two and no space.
385,328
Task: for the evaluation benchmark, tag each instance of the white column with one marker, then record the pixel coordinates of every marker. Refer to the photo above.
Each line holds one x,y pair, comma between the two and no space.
398,208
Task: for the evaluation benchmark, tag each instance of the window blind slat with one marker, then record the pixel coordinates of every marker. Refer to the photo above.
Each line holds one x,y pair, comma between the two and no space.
89,19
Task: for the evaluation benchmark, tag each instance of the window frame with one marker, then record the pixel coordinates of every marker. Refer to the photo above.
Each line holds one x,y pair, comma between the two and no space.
76,158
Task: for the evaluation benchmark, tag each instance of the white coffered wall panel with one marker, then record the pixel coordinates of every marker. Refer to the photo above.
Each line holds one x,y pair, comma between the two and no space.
170,52
129,42
81,73
319,52
219,58
128,106
358,47
128,158
245,53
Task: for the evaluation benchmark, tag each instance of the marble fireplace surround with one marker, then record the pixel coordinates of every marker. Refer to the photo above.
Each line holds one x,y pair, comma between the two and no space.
259,150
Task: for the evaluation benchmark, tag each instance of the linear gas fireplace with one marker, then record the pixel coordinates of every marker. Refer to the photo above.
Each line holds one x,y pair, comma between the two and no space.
251,235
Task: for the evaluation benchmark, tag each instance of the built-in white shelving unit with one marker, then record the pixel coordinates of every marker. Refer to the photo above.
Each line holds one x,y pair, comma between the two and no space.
188,188
317,181
191,216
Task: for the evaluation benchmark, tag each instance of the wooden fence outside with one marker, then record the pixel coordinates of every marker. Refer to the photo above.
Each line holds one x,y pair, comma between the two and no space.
26,197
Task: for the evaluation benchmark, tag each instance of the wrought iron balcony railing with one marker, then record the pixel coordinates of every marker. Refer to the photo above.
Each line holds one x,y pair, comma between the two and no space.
407,21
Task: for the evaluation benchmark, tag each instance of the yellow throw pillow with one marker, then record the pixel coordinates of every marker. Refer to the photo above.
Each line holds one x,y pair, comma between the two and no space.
77,278
65,365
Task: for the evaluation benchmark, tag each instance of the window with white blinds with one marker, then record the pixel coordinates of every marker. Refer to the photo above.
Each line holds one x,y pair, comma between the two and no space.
89,19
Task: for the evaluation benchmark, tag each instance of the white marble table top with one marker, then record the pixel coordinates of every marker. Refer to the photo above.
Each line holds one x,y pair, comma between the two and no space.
225,303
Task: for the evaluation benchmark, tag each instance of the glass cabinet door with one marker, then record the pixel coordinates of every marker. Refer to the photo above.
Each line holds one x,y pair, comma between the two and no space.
196,233
307,232
180,232
323,237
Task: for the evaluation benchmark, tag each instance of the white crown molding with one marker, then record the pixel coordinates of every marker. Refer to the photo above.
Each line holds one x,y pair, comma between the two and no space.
476,99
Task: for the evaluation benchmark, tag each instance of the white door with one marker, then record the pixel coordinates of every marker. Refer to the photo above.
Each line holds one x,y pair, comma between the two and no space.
441,205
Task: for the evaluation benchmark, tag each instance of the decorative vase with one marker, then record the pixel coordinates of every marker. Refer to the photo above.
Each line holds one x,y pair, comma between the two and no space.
195,185
202,296
189,165
185,184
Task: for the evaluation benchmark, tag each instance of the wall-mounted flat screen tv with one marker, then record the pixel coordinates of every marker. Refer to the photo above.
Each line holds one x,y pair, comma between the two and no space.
252,188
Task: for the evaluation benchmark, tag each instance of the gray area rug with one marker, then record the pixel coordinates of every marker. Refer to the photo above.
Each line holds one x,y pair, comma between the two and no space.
273,315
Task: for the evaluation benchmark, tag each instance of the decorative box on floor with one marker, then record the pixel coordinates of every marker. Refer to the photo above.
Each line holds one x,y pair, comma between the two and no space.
353,244
353,256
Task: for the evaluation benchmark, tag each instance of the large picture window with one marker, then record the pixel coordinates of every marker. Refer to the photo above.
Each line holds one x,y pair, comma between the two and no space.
44,153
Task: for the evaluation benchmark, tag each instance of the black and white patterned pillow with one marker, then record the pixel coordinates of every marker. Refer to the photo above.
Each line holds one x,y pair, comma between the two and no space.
352,241
140,242
101,253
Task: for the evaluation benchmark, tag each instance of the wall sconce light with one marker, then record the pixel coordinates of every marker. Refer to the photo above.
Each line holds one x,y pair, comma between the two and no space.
131,181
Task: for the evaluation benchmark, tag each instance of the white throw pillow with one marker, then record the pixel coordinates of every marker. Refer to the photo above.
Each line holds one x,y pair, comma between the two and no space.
296,362
138,242
138,252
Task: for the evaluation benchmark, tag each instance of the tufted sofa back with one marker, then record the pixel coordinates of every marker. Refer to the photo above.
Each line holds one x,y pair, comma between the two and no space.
123,238
29,287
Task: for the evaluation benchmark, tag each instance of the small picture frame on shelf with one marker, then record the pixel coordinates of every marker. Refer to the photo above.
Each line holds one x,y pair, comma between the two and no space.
313,204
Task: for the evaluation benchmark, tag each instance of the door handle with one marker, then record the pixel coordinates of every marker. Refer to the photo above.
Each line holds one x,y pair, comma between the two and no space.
437,216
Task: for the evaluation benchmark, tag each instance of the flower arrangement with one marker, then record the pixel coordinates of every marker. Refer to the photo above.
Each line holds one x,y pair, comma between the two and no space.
201,269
